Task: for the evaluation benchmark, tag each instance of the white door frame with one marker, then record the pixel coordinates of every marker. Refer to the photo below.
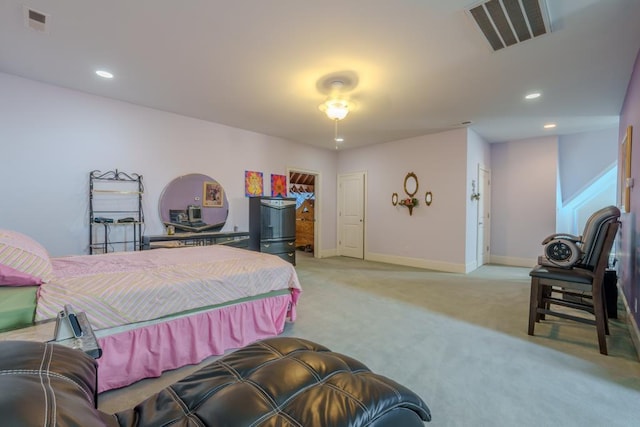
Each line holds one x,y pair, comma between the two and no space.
317,206
483,241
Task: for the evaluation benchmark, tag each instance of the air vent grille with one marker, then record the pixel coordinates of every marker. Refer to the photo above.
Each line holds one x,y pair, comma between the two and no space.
37,16
508,22
35,20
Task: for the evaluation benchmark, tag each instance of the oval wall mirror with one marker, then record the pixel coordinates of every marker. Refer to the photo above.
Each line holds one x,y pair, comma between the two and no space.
428,198
194,202
411,184
394,199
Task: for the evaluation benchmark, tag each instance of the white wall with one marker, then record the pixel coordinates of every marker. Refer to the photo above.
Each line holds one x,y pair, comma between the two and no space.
583,158
51,138
478,154
434,236
572,216
523,198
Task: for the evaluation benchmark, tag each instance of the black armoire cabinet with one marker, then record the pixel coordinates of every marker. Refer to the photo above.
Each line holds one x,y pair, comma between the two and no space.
272,226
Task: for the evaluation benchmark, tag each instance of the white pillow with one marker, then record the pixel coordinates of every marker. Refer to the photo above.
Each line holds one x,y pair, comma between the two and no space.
20,252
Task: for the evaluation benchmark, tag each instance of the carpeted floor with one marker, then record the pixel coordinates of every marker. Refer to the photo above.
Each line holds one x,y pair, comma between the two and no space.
460,342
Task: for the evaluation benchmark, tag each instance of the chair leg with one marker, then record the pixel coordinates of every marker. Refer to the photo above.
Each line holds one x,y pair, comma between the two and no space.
543,299
534,303
605,313
602,328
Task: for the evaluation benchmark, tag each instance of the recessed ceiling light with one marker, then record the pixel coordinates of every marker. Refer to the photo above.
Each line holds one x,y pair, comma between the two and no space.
532,95
549,125
339,139
104,74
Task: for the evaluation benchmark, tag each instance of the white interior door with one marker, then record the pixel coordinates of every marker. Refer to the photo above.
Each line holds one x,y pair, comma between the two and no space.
351,191
484,216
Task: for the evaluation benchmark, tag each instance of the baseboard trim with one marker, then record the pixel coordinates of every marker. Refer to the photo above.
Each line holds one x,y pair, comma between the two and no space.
328,253
514,262
416,262
634,331
471,266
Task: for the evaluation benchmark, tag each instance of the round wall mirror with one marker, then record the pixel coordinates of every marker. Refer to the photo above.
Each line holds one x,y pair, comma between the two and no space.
411,184
194,202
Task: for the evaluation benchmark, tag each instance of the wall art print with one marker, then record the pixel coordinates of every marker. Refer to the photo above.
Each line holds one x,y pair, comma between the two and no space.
212,194
278,185
624,172
253,184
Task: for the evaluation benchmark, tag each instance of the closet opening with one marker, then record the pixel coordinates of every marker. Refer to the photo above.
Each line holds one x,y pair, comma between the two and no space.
302,187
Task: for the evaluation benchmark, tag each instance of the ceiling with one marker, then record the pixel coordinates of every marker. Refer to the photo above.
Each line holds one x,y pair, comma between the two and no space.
303,179
412,67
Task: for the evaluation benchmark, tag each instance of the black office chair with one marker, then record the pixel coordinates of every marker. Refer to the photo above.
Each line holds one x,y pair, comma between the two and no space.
579,288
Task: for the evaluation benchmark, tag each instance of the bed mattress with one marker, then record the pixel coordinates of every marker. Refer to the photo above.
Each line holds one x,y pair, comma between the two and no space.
126,288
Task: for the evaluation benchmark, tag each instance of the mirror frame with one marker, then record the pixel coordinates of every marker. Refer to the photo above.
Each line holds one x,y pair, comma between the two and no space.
428,198
412,176
394,199
189,189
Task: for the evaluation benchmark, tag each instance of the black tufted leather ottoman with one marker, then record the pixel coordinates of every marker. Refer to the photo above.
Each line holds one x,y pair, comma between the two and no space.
281,382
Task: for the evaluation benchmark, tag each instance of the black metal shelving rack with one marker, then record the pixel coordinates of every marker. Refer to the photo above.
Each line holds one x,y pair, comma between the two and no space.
113,196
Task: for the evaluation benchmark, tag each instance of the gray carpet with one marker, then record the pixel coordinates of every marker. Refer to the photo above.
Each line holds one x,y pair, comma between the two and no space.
460,342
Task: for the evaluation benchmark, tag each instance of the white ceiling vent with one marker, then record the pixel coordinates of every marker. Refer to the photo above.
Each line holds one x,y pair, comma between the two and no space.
36,20
508,22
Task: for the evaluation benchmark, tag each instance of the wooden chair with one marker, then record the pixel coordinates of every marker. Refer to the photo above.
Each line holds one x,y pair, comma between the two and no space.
576,288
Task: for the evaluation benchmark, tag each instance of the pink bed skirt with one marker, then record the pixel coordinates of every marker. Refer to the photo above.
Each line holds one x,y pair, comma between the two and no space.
146,352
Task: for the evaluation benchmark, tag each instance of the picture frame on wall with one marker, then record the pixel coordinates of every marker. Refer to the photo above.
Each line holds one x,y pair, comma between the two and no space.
212,195
624,171
278,185
253,184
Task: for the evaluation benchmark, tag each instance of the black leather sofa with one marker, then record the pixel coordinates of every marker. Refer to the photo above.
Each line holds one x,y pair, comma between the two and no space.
276,382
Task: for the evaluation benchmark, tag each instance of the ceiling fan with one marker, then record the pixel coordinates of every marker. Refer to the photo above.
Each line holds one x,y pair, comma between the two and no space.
337,88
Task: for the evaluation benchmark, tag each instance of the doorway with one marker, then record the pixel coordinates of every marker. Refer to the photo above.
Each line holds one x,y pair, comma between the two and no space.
484,216
303,186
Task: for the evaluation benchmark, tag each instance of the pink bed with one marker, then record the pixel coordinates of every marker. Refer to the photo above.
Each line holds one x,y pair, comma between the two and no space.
158,310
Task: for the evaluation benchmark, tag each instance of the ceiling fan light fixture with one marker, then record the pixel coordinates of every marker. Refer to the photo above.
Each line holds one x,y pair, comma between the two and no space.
335,109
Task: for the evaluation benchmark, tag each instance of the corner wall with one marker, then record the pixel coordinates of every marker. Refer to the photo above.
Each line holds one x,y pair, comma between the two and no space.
478,155
576,168
523,199
434,236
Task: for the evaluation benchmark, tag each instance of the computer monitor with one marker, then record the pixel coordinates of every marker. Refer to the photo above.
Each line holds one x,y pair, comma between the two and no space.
177,215
195,213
